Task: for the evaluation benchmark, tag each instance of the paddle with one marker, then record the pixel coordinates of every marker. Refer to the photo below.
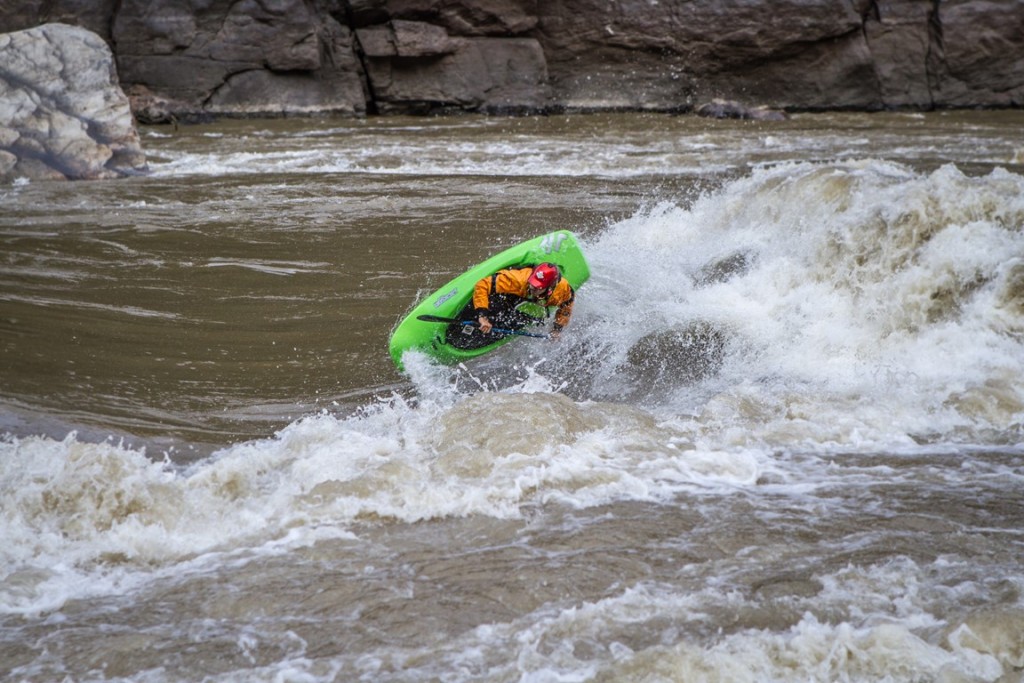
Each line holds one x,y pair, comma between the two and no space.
473,323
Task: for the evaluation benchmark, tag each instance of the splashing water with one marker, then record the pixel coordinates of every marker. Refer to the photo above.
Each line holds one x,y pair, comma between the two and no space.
858,304
735,360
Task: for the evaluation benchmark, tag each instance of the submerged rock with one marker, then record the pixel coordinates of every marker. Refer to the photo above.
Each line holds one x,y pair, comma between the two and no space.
665,360
728,109
63,114
723,269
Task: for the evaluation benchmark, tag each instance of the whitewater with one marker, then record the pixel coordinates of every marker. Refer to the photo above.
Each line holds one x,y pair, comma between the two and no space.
782,439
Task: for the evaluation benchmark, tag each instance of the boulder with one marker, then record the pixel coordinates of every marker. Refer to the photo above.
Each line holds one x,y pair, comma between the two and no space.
330,84
730,109
150,108
62,112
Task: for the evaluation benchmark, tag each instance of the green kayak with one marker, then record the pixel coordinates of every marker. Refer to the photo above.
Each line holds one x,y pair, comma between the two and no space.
560,248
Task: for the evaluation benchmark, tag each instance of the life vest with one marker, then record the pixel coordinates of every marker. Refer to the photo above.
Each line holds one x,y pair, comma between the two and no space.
508,288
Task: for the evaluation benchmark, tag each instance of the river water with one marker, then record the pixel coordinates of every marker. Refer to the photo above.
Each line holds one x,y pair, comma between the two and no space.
782,439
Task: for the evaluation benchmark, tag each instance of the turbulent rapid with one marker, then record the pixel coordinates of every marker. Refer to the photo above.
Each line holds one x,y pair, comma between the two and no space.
782,439
853,305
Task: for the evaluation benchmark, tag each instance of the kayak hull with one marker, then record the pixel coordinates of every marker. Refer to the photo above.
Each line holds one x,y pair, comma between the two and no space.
560,247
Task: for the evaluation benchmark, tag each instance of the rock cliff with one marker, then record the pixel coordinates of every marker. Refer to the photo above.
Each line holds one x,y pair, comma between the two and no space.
179,58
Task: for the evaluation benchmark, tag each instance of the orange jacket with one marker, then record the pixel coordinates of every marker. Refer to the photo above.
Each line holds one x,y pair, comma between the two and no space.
514,281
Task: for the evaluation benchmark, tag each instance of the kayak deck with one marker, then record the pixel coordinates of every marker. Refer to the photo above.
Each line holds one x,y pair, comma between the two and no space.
560,247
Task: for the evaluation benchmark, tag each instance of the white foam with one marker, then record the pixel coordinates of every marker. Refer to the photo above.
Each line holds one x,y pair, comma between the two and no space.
827,349
867,295
656,632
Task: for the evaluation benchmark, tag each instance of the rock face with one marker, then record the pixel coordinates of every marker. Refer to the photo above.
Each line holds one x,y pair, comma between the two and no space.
62,112
180,58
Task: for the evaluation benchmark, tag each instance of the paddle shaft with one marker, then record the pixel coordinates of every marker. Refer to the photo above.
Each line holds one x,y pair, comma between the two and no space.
473,323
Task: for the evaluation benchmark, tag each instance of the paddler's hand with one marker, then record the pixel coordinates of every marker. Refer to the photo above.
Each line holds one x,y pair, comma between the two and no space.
485,324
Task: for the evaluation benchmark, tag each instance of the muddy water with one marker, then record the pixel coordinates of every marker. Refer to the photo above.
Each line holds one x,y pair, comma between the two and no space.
781,439
216,309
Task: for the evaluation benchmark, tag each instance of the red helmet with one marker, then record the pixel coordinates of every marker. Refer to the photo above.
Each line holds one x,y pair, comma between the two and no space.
544,277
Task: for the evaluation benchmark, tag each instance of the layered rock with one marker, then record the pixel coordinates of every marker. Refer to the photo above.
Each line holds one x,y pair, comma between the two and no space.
180,58
248,57
62,112
412,64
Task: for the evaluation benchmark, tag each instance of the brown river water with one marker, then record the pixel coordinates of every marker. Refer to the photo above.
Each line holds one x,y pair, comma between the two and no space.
782,439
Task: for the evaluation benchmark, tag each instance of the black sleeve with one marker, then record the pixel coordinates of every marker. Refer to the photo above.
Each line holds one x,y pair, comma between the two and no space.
487,311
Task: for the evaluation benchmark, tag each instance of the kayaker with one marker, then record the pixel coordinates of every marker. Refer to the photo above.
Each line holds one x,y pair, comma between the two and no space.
498,298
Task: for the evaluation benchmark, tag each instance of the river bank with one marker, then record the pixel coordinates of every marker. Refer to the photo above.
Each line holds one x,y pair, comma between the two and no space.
189,61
